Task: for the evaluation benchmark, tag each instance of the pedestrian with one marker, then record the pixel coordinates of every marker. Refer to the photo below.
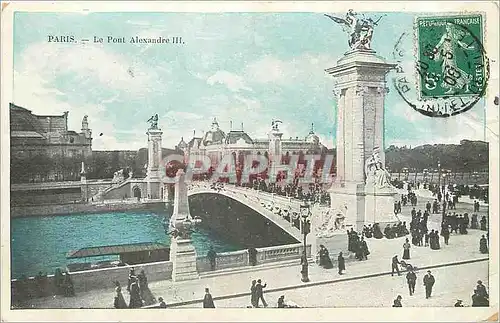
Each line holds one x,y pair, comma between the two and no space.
459,303
341,263
483,245
395,265
131,276
364,249
135,294
253,292
429,281
259,293
119,299
208,301
481,289
212,256
162,303
397,302
411,279
406,249
324,258
445,233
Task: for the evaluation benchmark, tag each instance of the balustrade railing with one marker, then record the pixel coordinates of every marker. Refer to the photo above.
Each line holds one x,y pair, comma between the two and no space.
236,259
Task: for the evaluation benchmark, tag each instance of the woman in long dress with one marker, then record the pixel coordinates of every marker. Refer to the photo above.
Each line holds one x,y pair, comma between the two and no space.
324,258
119,299
406,249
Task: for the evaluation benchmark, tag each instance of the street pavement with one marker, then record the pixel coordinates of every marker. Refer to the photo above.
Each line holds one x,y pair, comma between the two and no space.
453,281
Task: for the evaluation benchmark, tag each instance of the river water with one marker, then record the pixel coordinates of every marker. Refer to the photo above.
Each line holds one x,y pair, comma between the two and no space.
41,243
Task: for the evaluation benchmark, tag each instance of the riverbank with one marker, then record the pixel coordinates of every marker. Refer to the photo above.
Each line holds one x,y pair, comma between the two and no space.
73,208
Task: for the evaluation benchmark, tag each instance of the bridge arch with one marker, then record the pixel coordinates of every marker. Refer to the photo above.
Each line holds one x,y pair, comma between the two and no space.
254,206
136,191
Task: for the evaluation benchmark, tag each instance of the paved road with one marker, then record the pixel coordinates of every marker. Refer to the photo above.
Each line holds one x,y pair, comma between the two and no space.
452,283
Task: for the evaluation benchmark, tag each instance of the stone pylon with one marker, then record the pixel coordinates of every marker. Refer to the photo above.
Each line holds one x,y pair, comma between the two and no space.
182,252
360,88
153,178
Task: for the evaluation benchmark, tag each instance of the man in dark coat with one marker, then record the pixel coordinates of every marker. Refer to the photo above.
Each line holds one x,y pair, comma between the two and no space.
341,263
259,293
483,245
208,301
411,279
445,233
395,265
429,281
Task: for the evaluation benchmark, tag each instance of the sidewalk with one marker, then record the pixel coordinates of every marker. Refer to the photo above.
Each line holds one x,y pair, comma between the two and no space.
461,248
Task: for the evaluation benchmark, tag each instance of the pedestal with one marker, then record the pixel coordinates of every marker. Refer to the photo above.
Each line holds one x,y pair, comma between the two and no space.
360,88
153,177
348,199
379,206
183,257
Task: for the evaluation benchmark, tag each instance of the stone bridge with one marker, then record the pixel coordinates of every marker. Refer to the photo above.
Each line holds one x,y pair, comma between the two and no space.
280,210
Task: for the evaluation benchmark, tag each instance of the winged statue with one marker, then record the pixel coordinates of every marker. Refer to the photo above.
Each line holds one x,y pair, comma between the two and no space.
360,30
153,122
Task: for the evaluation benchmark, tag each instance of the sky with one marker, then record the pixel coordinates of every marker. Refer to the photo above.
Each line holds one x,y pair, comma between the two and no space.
245,68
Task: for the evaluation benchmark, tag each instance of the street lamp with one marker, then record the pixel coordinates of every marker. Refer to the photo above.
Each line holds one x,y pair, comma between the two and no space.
439,175
305,212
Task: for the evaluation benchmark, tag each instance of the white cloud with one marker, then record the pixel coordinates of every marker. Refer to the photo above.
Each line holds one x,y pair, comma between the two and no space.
233,82
89,63
270,69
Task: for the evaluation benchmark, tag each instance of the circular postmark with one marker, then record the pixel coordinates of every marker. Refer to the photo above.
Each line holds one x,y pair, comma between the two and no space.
448,72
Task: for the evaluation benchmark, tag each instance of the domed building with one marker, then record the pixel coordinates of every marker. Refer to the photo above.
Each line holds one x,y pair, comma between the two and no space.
215,136
312,138
216,143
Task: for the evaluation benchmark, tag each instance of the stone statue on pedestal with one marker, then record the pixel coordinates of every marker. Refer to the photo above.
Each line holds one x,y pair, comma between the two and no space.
376,174
360,30
118,176
153,121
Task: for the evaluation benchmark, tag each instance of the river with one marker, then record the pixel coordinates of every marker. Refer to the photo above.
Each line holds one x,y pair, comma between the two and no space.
41,243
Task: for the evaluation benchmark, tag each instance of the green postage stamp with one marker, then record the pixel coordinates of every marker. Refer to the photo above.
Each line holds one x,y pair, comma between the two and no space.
450,52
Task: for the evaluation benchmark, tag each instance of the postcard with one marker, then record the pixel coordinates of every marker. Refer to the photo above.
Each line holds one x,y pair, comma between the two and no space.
249,161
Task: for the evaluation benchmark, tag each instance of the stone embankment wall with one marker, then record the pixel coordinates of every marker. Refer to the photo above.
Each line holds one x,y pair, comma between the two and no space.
69,208
89,280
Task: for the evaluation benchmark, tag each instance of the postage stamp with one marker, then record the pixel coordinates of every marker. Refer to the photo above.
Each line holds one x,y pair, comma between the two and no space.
451,60
451,70
246,161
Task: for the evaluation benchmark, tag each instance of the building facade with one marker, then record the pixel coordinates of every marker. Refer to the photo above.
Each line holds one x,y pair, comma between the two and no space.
216,143
43,148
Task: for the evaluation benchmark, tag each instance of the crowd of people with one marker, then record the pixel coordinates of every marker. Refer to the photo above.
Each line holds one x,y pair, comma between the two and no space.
356,244
137,287
314,192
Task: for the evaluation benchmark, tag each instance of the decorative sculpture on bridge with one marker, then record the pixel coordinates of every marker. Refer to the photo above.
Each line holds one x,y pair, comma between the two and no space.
118,176
153,122
332,220
376,174
360,30
275,125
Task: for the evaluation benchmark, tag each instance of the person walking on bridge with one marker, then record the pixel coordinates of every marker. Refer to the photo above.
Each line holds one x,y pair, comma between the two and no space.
259,293
429,281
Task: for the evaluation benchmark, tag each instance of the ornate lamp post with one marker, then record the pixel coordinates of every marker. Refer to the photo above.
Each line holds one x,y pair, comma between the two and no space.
305,213
439,175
